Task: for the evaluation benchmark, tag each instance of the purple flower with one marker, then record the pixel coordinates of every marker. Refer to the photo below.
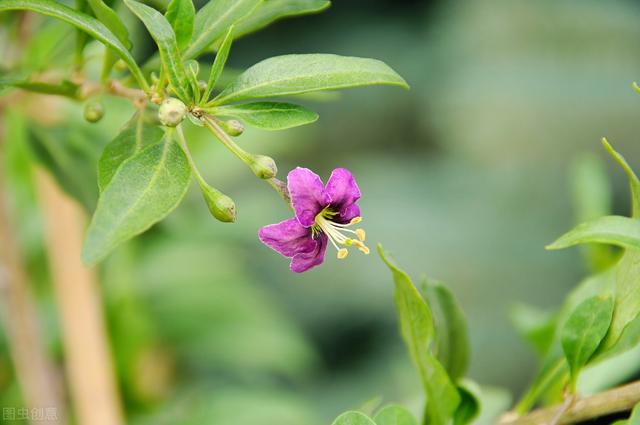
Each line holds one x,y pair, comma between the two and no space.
323,213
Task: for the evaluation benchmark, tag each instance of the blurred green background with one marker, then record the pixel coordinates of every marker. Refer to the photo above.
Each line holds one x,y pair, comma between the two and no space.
465,178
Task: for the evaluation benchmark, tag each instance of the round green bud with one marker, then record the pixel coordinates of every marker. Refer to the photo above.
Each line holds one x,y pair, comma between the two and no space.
172,111
220,205
232,127
93,111
263,166
120,66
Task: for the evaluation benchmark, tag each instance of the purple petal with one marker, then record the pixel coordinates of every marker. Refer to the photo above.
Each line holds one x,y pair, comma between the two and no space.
288,238
308,196
344,193
306,260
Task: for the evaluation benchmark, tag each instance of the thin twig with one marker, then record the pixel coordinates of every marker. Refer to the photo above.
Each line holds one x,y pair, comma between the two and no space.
616,400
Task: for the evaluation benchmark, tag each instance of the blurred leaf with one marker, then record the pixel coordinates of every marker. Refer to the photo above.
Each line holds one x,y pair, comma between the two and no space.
584,331
165,39
65,153
353,418
295,74
469,407
81,21
218,64
214,20
269,11
146,188
592,199
136,135
418,332
111,20
65,88
452,339
268,115
180,14
536,326
613,229
634,419
394,415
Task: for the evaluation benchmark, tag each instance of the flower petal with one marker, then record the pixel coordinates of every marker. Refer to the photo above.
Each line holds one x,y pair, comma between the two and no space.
308,196
304,261
344,192
288,238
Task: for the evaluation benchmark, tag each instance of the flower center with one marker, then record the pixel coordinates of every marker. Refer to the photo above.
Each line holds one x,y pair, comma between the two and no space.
338,233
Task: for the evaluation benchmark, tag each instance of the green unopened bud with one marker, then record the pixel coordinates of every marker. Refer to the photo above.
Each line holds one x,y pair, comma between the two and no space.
120,66
172,111
93,111
263,166
202,85
220,205
232,127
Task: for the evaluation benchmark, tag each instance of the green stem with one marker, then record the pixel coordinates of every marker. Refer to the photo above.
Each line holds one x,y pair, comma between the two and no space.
224,138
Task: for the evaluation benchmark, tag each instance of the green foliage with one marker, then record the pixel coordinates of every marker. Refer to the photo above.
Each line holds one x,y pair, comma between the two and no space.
146,187
418,332
139,133
214,20
584,331
164,37
181,14
111,20
394,415
469,407
82,21
295,74
218,63
268,115
634,419
353,418
614,230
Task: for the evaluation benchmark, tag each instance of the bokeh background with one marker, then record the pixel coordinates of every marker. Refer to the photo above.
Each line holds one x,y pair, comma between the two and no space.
464,178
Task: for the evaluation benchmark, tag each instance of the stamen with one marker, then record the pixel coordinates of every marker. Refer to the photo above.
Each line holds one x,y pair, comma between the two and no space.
361,234
342,253
336,233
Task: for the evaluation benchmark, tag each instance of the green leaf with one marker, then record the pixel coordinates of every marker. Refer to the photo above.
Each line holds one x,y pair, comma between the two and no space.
213,21
219,63
136,135
613,230
418,332
394,415
294,74
469,407
353,418
592,199
163,35
181,14
111,20
268,115
146,188
269,11
82,21
634,183
584,331
452,338
536,326
65,88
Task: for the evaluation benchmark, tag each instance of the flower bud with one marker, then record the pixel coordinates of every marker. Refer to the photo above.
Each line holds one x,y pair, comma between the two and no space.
232,127
93,111
220,205
263,166
120,66
172,111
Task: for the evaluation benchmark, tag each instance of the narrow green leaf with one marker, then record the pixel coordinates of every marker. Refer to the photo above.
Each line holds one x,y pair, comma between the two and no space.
219,63
111,20
634,183
394,415
181,15
65,88
270,11
82,21
418,332
136,135
452,346
469,407
584,331
613,230
146,188
268,115
353,418
163,35
294,74
213,21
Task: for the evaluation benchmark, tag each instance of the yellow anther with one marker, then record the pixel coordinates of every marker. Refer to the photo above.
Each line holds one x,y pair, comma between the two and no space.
355,220
342,253
364,249
360,233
